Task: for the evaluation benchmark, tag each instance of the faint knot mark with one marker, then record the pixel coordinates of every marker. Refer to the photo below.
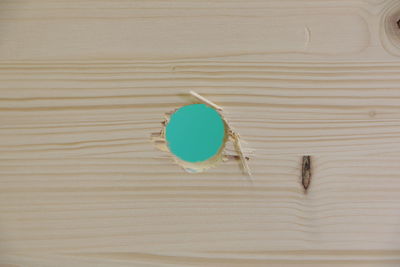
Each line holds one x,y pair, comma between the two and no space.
372,113
307,33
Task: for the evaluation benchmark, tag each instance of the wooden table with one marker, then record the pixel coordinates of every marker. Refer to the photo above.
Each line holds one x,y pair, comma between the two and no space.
83,84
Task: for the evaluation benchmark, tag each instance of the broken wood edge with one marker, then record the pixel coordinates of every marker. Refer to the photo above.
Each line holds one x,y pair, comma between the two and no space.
160,142
242,157
231,132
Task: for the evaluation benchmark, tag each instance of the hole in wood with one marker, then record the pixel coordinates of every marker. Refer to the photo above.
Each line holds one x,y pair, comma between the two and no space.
195,133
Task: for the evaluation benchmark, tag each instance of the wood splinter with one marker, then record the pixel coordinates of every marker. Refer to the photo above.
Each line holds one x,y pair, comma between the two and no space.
306,172
205,100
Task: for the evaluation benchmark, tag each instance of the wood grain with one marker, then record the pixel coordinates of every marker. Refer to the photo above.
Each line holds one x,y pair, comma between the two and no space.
84,84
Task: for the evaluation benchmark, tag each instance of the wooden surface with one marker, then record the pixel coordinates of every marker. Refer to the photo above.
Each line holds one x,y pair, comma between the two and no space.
83,84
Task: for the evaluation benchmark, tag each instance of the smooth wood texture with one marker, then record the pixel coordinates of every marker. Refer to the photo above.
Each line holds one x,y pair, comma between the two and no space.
83,84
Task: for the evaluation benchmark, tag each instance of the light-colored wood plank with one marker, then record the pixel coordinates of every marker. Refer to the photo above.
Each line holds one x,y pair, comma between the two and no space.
84,83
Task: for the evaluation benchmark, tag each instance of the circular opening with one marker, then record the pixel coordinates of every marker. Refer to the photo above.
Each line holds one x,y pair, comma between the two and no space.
195,133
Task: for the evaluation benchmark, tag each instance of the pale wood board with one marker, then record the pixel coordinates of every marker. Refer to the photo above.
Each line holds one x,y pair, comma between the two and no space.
83,84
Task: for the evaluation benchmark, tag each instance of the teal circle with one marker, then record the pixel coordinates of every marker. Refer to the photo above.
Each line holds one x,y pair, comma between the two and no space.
195,133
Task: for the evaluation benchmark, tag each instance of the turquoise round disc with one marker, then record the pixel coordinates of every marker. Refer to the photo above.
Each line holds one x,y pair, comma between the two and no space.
195,133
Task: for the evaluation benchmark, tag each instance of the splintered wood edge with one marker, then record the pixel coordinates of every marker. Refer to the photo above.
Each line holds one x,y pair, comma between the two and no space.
205,100
235,136
242,157
160,142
